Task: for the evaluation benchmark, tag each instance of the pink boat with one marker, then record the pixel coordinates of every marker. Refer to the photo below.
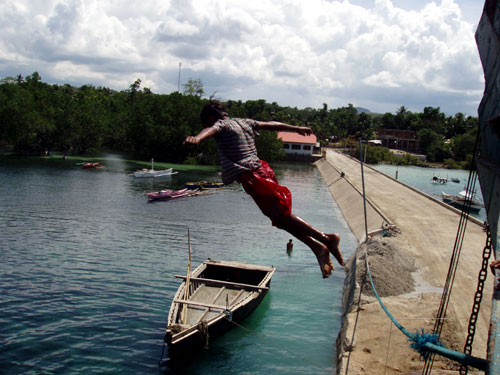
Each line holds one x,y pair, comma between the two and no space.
168,194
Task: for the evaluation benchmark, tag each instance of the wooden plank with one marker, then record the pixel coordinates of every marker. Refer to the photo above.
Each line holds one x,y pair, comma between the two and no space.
219,294
238,265
226,283
214,300
197,291
236,297
192,303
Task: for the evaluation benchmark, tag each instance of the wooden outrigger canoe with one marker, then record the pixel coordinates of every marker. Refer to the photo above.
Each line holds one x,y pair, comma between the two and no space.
219,294
204,185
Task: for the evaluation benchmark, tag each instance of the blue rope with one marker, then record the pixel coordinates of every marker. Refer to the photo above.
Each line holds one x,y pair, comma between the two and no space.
420,340
426,343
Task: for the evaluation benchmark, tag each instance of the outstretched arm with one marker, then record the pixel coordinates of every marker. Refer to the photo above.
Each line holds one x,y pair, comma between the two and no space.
281,126
204,134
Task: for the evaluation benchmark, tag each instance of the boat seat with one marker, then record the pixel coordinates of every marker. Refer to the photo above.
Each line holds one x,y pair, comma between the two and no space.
225,283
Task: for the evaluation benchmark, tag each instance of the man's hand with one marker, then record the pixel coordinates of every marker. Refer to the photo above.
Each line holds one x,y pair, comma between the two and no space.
304,130
281,126
204,134
192,140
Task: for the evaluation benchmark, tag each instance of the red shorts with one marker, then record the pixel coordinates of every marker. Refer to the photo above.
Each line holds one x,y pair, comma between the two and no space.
273,199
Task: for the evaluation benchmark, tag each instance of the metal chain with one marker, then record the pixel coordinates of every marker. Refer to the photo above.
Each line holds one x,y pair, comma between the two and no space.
477,301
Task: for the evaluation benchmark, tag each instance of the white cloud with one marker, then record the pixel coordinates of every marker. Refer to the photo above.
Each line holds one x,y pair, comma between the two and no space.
293,52
382,79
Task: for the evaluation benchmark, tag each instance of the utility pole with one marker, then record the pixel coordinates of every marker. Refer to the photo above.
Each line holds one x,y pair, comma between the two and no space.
179,80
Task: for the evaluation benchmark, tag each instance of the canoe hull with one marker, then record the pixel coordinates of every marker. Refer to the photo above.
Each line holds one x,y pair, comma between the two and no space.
204,185
460,204
168,194
217,317
197,339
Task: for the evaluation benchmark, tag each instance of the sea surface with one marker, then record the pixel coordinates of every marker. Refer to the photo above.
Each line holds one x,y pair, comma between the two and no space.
87,271
422,179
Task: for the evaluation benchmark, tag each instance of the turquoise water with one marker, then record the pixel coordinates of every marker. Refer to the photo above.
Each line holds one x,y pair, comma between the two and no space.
421,179
87,272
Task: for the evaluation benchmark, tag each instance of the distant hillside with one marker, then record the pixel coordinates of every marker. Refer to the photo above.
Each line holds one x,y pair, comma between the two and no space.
363,110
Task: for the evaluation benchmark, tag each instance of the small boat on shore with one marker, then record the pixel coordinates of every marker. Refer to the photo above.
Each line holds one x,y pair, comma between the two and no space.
210,300
459,201
151,173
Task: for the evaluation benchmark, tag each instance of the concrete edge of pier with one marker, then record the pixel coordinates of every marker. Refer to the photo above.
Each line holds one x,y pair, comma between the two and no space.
342,176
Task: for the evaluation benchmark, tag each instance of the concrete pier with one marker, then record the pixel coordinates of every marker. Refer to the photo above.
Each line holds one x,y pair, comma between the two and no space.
368,342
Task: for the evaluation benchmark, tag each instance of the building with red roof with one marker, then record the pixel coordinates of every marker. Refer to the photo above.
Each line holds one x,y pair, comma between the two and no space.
298,145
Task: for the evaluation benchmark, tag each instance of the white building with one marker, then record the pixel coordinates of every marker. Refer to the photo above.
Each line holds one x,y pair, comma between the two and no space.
299,145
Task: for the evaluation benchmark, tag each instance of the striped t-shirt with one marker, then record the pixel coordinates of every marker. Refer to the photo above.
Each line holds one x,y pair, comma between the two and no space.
236,145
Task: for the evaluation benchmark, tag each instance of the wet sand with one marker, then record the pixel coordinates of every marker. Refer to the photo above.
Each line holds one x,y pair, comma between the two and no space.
368,342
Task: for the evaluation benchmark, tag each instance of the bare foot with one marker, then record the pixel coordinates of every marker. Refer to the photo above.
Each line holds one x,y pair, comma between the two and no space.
324,260
333,247
495,265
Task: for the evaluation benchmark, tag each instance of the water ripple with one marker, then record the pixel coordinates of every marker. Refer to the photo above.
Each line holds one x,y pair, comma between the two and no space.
87,273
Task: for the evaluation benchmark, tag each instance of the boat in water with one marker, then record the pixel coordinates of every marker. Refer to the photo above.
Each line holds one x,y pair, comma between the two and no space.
213,185
204,185
89,165
151,173
439,180
169,194
463,199
210,300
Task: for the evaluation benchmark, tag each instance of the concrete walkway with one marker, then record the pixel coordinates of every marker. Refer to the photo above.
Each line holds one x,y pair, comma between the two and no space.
429,229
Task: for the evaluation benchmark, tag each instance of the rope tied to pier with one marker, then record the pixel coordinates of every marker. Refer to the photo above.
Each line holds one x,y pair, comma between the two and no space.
426,344
429,344
420,339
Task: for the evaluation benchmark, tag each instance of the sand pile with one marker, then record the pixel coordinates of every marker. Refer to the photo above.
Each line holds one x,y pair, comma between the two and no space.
390,267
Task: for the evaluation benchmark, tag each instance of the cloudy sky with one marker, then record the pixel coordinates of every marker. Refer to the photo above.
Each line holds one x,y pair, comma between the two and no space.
376,54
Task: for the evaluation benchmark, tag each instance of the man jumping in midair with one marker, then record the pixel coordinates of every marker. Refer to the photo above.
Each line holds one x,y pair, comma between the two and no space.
236,145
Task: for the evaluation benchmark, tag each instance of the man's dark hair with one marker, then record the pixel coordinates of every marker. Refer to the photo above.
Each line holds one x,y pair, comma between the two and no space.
212,109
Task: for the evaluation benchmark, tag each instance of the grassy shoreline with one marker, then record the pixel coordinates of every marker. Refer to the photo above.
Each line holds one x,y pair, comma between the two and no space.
110,156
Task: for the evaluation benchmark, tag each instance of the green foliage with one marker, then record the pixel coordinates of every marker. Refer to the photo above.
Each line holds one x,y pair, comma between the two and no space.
191,160
379,154
408,159
453,164
432,145
269,146
35,117
462,145
374,154
194,87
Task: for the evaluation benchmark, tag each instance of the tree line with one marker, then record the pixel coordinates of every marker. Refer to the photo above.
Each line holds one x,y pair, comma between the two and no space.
36,117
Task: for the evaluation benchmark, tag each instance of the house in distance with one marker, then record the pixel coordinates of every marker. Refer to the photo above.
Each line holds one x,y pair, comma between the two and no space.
300,147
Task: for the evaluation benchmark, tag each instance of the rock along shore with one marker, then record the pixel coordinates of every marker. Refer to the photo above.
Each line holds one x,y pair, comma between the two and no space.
409,272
